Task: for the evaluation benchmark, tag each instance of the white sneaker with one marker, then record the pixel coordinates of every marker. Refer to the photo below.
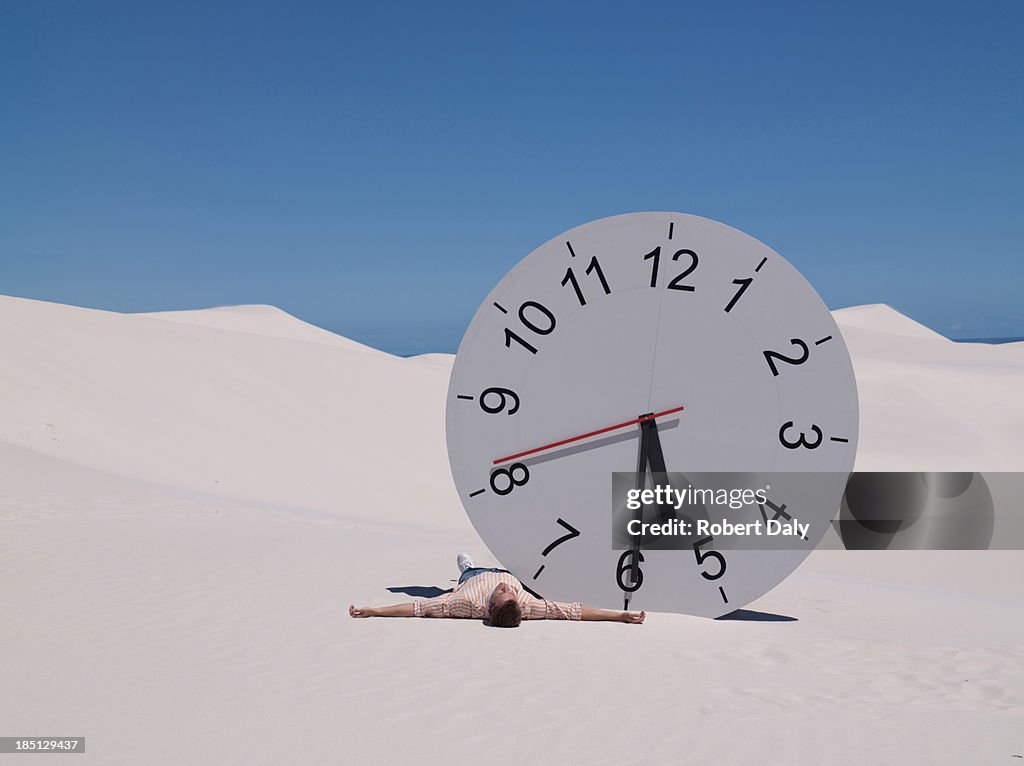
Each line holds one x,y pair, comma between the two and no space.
464,562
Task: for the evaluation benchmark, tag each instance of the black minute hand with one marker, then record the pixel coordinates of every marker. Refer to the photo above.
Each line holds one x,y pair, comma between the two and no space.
650,456
656,462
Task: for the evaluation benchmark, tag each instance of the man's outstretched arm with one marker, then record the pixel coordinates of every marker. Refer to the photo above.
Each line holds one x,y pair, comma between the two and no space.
593,613
439,606
395,610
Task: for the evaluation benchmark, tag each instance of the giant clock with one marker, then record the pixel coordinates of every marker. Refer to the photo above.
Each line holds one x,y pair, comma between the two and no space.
636,332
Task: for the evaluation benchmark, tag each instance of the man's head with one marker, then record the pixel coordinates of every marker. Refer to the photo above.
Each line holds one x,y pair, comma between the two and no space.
502,608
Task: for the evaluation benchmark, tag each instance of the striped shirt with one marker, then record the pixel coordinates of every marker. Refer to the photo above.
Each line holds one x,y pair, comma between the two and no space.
469,599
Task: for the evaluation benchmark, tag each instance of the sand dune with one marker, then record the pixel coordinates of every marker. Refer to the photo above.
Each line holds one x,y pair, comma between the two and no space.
438,361
880,318
248,414
259,320
190,500
927,403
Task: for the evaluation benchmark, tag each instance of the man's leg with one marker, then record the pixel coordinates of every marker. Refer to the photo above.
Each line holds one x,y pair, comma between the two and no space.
471,572
474,571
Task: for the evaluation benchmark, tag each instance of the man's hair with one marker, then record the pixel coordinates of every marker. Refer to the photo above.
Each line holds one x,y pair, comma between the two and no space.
508,615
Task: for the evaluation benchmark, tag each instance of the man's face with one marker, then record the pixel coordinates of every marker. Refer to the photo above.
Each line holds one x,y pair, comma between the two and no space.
500,595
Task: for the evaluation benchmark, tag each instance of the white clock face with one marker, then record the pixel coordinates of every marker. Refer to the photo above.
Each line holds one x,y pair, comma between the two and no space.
634,314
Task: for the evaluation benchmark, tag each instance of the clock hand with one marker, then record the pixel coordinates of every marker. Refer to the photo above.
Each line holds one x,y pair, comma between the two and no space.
642,419
656,462
650,456
640,484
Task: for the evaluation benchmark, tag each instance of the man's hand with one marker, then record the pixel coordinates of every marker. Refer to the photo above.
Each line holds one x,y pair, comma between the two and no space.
611,615
361,611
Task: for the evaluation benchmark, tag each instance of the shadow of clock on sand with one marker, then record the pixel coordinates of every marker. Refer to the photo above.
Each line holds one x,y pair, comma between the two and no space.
751,615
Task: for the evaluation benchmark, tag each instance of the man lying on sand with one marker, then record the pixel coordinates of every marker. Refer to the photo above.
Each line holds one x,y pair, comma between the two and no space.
497,596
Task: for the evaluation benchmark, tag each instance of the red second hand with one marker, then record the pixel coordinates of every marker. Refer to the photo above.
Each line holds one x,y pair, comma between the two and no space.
571,439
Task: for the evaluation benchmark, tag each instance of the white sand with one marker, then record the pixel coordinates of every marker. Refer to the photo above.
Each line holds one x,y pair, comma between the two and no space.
187,507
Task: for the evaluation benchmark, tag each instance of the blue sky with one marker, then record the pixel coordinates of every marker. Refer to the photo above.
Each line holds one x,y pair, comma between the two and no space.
375,168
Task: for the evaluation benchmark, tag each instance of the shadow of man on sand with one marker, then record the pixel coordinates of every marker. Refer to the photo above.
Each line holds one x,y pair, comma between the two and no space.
419,591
